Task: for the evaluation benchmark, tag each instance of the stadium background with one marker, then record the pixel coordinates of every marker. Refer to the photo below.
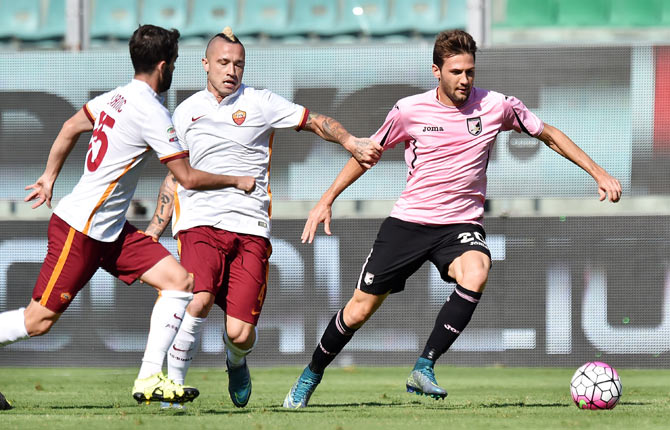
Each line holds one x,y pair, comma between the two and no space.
573,279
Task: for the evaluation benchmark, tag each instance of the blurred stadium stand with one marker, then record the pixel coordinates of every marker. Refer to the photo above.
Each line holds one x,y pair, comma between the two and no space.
114,19
38,24
578,21
32,21
31,24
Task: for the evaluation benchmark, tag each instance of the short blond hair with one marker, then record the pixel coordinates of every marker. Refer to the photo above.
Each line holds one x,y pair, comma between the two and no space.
227,32
227,35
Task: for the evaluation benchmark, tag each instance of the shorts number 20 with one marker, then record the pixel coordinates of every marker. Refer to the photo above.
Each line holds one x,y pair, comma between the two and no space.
467,237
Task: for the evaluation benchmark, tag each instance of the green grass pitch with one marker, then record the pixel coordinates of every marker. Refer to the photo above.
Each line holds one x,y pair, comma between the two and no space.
350,398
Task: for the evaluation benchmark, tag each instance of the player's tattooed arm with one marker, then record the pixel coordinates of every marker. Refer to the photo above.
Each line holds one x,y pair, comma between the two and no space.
164,207
365,151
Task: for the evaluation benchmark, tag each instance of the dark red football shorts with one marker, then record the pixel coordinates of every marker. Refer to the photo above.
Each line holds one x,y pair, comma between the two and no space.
72,259
232,266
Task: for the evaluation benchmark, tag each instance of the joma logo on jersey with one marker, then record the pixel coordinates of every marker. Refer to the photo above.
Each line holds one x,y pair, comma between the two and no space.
432,128
239,117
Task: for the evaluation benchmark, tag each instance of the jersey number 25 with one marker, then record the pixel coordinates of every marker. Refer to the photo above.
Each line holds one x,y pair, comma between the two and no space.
99,136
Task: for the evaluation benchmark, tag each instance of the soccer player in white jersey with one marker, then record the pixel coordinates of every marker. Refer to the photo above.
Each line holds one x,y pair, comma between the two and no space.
223,235
447,133
88,229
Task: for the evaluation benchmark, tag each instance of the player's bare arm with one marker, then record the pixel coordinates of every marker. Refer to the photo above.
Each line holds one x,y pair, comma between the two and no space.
608,186
322,212
164,207
61,148
366,151
194,179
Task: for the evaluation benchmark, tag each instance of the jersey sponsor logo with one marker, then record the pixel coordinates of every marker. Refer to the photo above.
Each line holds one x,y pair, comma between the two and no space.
262,224
474,126
65,297
239,116
432,128
195,118
369,277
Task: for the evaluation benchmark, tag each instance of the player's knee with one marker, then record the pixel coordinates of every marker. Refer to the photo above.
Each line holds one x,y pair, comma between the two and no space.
183,281
241,336
200,305
475,279
358,314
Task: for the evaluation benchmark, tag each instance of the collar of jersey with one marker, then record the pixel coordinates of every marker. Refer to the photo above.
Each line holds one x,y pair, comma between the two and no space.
470,98
148,87
227,99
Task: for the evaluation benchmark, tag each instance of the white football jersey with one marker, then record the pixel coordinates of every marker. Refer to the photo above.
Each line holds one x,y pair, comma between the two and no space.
127,123
233,137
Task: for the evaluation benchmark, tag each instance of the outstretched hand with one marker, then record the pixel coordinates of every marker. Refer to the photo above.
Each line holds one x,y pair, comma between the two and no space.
246,184
42,191
366,151
321,213
609,186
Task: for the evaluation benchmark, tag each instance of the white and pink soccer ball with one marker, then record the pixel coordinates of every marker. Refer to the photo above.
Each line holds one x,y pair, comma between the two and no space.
595,385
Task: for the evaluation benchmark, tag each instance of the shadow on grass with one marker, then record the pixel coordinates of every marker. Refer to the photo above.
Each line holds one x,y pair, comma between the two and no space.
85,407
312,408
523,405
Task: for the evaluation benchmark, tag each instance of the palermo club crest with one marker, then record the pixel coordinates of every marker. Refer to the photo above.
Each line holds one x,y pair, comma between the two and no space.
475,126
239,117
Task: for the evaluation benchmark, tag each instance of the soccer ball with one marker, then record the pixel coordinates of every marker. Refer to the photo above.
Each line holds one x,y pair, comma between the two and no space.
595,385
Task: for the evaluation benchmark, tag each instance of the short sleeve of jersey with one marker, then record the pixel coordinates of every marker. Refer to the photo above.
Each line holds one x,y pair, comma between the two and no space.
93,107
180,126
392,131
281,113
517,117
160,134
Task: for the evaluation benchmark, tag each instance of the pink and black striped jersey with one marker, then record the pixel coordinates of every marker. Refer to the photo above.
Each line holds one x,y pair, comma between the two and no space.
447,152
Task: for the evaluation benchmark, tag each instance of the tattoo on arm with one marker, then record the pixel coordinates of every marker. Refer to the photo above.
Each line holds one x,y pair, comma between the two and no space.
326,127
164,199
164,206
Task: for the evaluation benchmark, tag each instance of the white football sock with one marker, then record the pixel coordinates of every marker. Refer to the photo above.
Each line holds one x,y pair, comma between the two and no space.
12,327
235,354
184,348
165,321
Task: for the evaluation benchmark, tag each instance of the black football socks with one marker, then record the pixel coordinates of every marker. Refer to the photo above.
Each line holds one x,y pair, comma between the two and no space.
334,338
451,320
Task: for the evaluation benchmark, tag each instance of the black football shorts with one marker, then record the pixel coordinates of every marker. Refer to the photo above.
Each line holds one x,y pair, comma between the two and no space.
402,247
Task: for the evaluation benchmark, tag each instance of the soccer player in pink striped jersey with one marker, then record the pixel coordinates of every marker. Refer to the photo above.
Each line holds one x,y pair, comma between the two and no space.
448,133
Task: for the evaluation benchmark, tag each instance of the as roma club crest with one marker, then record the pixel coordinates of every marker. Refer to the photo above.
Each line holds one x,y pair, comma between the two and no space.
239,117
475,126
